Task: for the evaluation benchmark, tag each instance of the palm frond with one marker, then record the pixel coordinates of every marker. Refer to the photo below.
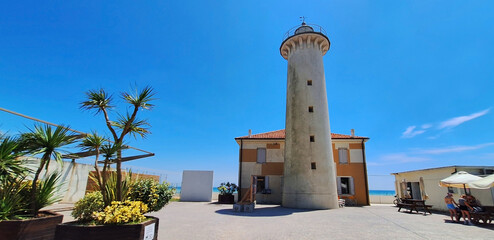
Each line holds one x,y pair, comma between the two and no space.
136,127
11,165
97,100
140,98
47,191
93,141
46,140
110,150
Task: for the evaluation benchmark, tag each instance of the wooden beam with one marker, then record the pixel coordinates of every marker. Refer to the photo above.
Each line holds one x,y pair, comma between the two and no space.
79,155
125,159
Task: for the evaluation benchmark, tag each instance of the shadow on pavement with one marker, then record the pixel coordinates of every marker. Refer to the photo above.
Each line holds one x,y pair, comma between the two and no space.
264,212
480,225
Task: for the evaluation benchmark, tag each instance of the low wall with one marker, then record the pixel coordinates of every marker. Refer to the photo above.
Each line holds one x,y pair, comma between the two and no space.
381,199
74,178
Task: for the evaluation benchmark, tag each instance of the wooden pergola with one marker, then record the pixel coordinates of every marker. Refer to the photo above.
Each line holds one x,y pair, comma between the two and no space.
80,135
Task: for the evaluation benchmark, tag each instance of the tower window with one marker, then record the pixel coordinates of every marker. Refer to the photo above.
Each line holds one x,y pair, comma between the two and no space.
312,165
312,138
309,82
311,109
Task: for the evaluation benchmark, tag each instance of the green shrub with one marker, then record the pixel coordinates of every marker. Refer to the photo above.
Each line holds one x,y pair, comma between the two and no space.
85,207
152,193
13,202
122,212
111,186
46,192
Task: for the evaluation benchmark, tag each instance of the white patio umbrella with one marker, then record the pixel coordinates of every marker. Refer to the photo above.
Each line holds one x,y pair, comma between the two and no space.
484,183
459,180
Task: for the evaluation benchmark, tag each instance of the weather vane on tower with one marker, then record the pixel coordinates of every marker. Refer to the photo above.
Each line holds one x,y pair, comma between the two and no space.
303,20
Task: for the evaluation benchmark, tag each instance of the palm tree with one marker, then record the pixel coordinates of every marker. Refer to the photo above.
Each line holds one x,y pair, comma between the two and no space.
10,162
12,173
48,142
94,142
101,102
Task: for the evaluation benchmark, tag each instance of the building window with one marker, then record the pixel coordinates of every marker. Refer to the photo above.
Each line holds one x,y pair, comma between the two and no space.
343,155
312,165
311,109
312,138
261,155
309,82
452,190
262,185
345,186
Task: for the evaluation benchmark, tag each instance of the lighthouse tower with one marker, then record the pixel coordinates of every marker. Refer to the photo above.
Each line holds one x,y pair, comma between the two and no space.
309,170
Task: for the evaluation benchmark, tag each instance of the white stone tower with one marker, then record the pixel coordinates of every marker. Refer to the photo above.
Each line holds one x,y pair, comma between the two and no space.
309,171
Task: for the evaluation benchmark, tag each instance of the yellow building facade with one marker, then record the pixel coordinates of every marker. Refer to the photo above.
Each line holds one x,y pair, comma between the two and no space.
261,166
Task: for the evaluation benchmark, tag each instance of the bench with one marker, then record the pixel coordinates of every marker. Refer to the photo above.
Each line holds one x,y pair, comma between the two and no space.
485,216
425,208
413,204
408,206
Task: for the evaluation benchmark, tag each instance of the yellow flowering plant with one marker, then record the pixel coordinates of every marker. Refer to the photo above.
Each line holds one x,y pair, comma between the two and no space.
122,212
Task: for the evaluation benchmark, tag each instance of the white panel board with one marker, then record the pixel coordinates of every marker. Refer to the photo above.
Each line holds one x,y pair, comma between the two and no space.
197,186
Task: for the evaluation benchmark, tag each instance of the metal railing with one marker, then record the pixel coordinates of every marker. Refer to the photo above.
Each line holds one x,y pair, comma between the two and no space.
315,27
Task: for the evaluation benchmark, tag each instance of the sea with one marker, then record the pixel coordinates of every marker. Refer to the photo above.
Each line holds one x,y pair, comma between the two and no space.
371,192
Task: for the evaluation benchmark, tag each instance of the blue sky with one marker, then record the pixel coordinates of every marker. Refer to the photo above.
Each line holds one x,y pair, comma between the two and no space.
414,76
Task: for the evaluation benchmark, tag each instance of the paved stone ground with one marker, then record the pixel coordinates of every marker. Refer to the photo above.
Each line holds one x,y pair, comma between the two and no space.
185,220
189,220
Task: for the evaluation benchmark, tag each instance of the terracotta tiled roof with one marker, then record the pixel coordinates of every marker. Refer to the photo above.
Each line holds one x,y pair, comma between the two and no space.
280,134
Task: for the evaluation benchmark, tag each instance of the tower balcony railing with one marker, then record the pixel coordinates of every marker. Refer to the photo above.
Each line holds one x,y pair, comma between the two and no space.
315,27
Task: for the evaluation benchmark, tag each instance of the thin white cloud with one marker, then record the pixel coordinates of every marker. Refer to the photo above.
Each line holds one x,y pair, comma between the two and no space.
426,126
452,149
426,155
410,132
402,158
453,122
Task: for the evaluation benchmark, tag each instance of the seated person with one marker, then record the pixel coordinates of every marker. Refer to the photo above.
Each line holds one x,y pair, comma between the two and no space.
474,203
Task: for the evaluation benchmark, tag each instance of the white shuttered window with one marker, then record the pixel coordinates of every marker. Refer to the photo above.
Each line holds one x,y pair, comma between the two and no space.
261,155
343,155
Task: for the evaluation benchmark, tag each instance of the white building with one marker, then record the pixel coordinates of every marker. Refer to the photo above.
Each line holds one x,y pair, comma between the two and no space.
424,184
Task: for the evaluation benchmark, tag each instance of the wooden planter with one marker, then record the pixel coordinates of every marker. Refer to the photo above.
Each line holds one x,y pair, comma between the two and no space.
147,230
35,228
226,199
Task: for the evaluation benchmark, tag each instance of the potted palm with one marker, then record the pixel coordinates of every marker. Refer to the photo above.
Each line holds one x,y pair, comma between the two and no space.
22,199
114,210
226,193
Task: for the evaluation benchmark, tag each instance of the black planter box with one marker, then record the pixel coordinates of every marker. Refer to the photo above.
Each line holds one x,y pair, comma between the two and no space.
34,228
226,199
75,231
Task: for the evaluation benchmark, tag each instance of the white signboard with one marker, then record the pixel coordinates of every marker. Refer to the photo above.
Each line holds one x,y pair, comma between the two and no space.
149,231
